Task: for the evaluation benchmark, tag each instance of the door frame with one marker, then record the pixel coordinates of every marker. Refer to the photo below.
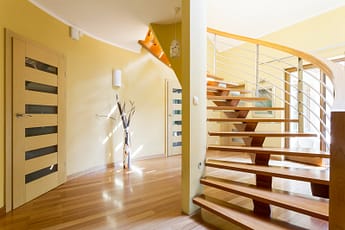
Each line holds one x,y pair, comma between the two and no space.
8,119
9,35
170,85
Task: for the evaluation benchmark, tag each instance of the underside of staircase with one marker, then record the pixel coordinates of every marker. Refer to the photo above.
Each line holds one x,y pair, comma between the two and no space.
243,183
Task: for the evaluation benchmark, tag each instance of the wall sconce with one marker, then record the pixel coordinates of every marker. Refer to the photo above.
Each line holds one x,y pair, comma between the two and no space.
117,75
75,33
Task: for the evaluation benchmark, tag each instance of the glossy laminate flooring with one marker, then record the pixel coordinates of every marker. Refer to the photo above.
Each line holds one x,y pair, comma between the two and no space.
146,197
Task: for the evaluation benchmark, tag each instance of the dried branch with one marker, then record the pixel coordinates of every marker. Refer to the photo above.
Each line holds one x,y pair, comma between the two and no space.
126,118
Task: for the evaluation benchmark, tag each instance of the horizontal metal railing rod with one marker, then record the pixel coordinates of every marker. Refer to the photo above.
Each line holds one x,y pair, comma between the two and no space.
286,82
296,109
289,66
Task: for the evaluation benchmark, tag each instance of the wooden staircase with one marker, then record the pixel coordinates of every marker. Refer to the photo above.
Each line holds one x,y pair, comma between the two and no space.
227,98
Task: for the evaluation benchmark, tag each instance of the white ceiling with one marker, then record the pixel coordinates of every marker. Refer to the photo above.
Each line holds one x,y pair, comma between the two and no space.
123,22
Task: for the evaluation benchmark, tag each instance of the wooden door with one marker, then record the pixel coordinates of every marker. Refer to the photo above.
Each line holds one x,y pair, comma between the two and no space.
174,128
38,120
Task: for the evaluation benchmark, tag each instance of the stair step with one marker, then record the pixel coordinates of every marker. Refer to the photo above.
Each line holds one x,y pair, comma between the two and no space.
217,98
214,77
313,207
261,134
276,151
224,84
233,89
245,219
248,120
246,108
308,175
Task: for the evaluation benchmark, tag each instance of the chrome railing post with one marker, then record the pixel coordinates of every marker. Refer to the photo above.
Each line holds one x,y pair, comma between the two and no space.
300,96
323,143
257,64
215,55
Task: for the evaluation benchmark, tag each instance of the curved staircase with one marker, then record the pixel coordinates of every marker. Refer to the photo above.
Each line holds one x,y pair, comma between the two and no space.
221,191
248,185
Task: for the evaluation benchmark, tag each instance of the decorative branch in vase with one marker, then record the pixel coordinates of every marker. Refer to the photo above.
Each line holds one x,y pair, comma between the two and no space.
126,117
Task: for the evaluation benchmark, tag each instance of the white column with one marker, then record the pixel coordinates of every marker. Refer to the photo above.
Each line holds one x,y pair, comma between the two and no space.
193,53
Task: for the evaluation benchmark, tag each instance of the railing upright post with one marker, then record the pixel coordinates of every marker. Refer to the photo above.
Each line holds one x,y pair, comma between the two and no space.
215,56
323,143
300,96
287,111
257,64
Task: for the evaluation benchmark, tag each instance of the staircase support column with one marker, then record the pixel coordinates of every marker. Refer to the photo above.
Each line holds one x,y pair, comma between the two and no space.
337,177
265,182
193,81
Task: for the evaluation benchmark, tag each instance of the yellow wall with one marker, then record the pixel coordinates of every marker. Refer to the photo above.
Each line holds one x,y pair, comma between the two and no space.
89,65
321,32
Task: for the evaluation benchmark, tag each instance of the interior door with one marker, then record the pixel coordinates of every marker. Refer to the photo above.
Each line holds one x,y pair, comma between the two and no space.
38,121
174,118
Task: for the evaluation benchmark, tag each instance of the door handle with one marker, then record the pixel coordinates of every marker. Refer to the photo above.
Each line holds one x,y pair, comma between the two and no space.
19,115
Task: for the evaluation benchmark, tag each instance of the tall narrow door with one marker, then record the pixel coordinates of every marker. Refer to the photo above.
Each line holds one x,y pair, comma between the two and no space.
174,118
38,109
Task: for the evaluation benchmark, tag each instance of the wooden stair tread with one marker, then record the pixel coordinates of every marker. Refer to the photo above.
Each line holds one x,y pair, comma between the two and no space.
224,84
261,134
277,151
246,220
152,45
214,77
242,98
248,120
308,175
253,108
313,207
234,89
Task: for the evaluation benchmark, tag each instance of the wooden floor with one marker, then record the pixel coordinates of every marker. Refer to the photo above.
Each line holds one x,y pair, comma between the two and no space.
146,197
